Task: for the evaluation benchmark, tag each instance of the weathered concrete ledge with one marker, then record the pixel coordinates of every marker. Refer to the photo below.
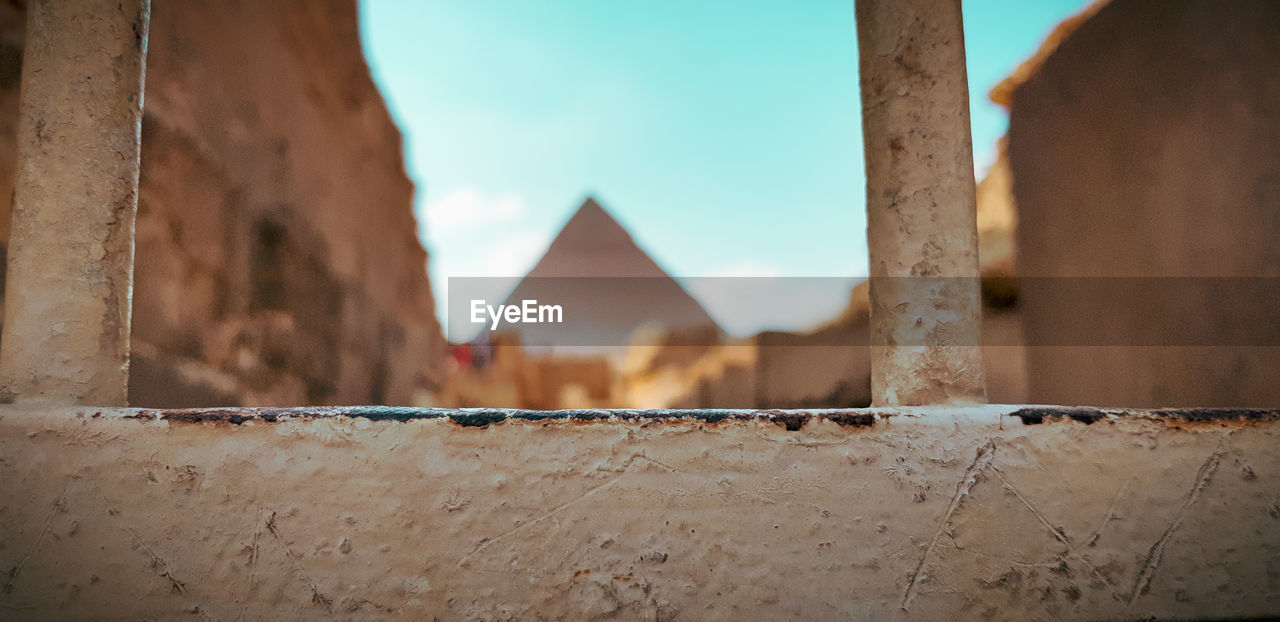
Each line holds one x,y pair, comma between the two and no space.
792,420
1014,512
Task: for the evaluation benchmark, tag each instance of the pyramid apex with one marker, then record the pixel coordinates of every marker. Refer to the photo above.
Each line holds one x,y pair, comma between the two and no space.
592,220
594,244
590,204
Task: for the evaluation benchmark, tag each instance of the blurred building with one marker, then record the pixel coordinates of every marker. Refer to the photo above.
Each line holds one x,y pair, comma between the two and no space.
1144,141
277,255
607,286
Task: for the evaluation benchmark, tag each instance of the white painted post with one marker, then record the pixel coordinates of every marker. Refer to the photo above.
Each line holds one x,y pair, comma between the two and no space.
70,280
921,206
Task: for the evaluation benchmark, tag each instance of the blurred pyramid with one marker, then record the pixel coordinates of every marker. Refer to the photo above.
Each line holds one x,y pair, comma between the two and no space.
607,285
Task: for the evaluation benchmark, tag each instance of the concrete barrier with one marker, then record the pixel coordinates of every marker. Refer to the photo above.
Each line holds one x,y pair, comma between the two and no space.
995,511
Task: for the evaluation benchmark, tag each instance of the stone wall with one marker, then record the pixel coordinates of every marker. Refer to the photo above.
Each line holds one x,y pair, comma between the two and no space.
277,254
1144,141
364,514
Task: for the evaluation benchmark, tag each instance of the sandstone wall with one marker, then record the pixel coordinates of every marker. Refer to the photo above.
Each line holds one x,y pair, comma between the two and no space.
1145,141
982,513
277,256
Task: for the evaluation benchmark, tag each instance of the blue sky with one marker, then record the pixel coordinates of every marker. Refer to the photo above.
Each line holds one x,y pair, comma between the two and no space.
724,134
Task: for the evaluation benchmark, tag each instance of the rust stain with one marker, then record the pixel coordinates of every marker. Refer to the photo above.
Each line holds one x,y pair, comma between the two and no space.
1178,417
1038,415
1214,417
789,420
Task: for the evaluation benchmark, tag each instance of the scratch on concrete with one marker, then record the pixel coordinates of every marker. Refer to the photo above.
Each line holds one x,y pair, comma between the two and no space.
803,442
316,596
1057,532
487,542
963,487
1106,518
44,529
159,564
1156,554
254,551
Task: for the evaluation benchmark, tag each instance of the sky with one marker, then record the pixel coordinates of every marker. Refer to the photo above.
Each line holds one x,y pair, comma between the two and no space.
725,135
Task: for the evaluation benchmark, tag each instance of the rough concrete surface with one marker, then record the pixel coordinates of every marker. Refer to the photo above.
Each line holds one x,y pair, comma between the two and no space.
701,515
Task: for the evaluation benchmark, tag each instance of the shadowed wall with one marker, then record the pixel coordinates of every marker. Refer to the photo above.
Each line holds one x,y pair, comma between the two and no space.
1148,144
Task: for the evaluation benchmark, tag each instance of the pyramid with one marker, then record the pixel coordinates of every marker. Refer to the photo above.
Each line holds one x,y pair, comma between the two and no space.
607,285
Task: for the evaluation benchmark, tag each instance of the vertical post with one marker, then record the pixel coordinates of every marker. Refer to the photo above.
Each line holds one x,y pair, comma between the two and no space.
70,280
921,206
